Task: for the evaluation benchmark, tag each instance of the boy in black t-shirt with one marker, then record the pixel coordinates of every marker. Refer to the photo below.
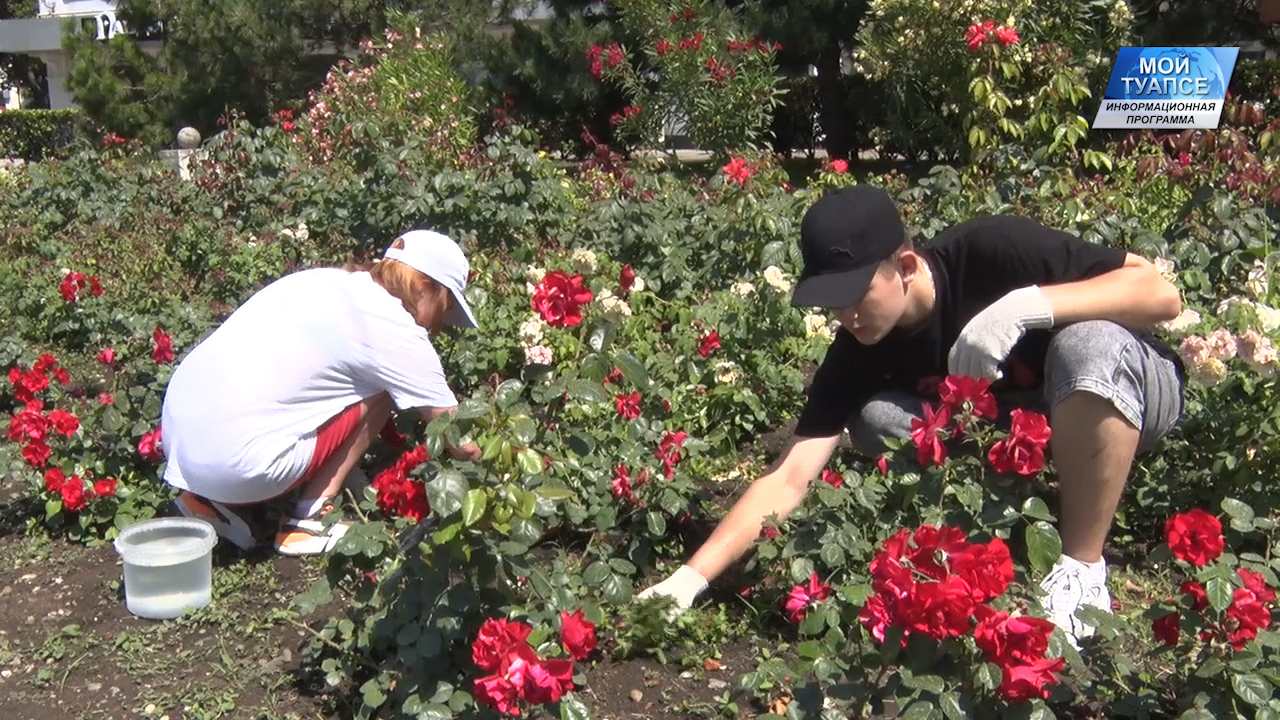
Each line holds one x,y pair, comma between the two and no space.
997,297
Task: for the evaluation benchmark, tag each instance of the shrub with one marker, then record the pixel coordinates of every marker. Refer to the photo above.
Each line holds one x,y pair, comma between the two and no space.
691,66
638,340
959,77
36,134
398,88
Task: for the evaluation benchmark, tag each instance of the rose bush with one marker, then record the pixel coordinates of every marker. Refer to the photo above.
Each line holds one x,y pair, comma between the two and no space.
637,341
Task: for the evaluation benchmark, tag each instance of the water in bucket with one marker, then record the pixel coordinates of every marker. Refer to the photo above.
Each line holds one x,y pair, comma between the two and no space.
168,566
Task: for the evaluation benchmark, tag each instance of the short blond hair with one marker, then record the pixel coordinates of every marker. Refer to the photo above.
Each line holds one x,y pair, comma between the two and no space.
425,299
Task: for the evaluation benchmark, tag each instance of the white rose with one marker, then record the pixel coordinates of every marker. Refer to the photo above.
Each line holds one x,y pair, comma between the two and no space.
534,274
727,373
1268,317
742,289
637,285
531,332
584,260
538,355
773,275
1186,320
816,325
614,306
1256,285
1166,269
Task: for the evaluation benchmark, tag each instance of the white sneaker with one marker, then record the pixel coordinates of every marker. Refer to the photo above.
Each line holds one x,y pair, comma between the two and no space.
1069,586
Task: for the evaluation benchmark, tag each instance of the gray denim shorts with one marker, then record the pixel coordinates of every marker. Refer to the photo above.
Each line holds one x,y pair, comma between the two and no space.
1095,356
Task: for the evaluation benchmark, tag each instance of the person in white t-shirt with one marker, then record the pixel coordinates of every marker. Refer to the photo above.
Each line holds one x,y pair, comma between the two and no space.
289,392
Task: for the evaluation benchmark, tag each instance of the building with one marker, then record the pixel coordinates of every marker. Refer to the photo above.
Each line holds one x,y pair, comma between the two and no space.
41,36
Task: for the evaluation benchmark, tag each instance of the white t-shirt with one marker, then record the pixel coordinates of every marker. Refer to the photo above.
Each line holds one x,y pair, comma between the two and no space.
241,410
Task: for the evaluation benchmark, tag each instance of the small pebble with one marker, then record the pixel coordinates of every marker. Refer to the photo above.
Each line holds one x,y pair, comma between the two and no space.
686,675
6,674
93,687
636,696
717,684
150,709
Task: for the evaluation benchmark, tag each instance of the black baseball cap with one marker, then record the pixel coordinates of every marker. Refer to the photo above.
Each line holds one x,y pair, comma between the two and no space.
844,237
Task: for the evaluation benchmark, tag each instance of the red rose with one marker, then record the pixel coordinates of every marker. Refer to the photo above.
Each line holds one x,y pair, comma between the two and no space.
64,422
1167,629
104,487
970,397
832,478
559,299
628,405
162,352
1194,537
1021,683
149,447
737,171
926,433
73,499
1022,452
37,453
578,634
626,278
708,343
1007,640
802,597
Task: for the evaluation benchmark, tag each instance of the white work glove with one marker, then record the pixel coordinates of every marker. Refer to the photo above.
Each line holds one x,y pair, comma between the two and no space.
989,337
683,586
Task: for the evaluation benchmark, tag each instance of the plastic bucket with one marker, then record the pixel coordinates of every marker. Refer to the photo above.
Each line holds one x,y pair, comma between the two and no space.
168,566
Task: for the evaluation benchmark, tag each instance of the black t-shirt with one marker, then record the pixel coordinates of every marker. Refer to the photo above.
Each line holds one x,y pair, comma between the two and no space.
974,264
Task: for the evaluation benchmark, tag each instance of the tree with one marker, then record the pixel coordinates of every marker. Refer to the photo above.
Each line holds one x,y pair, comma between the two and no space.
247,56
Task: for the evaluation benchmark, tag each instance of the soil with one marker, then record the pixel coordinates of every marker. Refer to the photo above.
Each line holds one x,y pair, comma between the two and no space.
70,649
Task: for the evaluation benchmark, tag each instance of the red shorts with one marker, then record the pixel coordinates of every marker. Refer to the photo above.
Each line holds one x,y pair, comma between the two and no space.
331,435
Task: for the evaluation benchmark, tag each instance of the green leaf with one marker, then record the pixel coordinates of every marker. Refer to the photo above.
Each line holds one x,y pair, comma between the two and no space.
1252,689
918,710
1036,509
530,462
988,676
508,393
446,492
470,409
656,523
632,368
928,683
1040,711
473,506
1237,510
555,493
320,593
588,392
614,588
571,708
595,573
950,704
373,694
1044,546
810,649
1220,592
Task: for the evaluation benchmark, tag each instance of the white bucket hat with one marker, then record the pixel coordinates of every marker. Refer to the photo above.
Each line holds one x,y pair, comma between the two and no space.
439,258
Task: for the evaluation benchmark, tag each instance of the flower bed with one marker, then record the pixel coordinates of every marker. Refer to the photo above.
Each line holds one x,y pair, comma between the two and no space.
637,342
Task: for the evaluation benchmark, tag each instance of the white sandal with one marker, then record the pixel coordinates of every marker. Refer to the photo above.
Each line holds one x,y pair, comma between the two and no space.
308,537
